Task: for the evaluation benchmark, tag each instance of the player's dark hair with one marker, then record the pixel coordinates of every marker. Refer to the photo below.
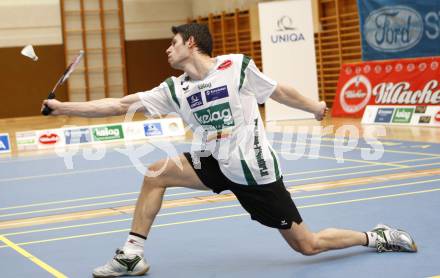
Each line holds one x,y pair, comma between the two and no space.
199,32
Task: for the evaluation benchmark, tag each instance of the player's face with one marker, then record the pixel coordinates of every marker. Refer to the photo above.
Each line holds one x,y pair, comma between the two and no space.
178,52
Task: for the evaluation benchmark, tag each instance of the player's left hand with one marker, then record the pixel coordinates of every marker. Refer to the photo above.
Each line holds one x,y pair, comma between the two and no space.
322,112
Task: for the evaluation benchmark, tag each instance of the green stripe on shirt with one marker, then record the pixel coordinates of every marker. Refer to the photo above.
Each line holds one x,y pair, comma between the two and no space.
244,65
170,84
247,172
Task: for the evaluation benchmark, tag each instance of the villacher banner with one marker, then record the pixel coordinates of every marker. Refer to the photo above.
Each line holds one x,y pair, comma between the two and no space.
392,82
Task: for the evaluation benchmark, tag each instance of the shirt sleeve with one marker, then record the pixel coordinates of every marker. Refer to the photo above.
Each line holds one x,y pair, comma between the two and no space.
156,101
257,83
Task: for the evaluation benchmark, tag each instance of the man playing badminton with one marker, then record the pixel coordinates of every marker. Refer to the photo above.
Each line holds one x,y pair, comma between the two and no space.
220,96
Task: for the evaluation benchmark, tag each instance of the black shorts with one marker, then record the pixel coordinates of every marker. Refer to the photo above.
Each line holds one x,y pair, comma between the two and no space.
270,204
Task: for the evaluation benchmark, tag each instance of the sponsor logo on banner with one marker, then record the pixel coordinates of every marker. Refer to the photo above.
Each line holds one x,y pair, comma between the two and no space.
437,117
424,119
216,93
173,127
77,136
134,131
401,93
399,29
355,94
106,133
195,100
410,86
153,129
393,28
384,115
286,32
5,146
218,116
403,115
26,140
48,138
420,109
226,64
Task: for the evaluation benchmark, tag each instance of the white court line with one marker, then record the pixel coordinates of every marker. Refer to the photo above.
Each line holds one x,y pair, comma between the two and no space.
350,201
121,194
227,206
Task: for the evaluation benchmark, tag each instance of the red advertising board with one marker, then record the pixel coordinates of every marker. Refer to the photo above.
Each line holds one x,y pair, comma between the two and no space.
392,82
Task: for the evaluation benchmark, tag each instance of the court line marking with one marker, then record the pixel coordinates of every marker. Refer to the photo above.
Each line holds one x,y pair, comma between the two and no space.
362,172
105,211
222,207
195,192
362,148
175,188
80,199
32,258
289,174
229,216
346,159
92,204
132,166
358,166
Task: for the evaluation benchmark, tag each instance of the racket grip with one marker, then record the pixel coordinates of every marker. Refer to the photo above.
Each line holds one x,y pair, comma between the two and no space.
47,110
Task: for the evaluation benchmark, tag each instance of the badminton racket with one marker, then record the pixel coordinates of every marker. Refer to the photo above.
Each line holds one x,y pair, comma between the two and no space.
47,110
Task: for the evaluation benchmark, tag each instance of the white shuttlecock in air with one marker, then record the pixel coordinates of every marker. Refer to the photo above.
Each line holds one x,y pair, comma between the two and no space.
28,51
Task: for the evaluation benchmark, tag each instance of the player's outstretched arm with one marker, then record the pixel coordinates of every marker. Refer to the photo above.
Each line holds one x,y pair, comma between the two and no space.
289,96
95,108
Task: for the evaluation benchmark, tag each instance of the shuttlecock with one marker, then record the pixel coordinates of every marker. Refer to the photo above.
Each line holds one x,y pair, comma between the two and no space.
28,51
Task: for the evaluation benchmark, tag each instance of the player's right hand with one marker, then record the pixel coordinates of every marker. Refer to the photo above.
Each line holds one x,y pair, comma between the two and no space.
52,104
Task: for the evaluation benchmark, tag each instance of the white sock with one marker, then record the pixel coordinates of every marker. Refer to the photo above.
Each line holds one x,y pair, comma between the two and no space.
134,245
372,239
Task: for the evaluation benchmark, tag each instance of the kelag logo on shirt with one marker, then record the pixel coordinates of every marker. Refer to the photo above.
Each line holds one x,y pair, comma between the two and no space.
218,116
216,93
195,100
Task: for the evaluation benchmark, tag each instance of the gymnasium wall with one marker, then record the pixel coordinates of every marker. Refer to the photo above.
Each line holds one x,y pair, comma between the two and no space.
25,83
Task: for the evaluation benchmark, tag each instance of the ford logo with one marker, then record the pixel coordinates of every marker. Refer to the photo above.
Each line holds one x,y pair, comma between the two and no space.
393,29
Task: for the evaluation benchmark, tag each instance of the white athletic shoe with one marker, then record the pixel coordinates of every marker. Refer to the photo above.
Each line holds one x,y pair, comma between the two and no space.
393,240
122,265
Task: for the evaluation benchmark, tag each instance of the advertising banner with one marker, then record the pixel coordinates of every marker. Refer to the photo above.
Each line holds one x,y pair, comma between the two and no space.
5,146
64,137
393,29
288,52
26,140
413,82
50,138
402,115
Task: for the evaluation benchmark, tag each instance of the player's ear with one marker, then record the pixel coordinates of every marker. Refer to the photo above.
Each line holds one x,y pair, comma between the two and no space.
191,42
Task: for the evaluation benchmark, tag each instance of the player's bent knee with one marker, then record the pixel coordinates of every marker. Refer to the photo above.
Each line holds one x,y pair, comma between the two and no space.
308,247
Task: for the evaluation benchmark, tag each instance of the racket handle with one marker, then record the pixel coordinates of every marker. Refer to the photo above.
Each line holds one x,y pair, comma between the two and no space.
47,110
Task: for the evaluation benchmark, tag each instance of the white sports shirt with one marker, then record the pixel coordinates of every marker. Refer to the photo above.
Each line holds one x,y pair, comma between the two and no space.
223,113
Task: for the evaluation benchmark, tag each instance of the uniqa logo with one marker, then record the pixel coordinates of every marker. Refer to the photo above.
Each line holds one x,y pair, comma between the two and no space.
285,23
393,28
